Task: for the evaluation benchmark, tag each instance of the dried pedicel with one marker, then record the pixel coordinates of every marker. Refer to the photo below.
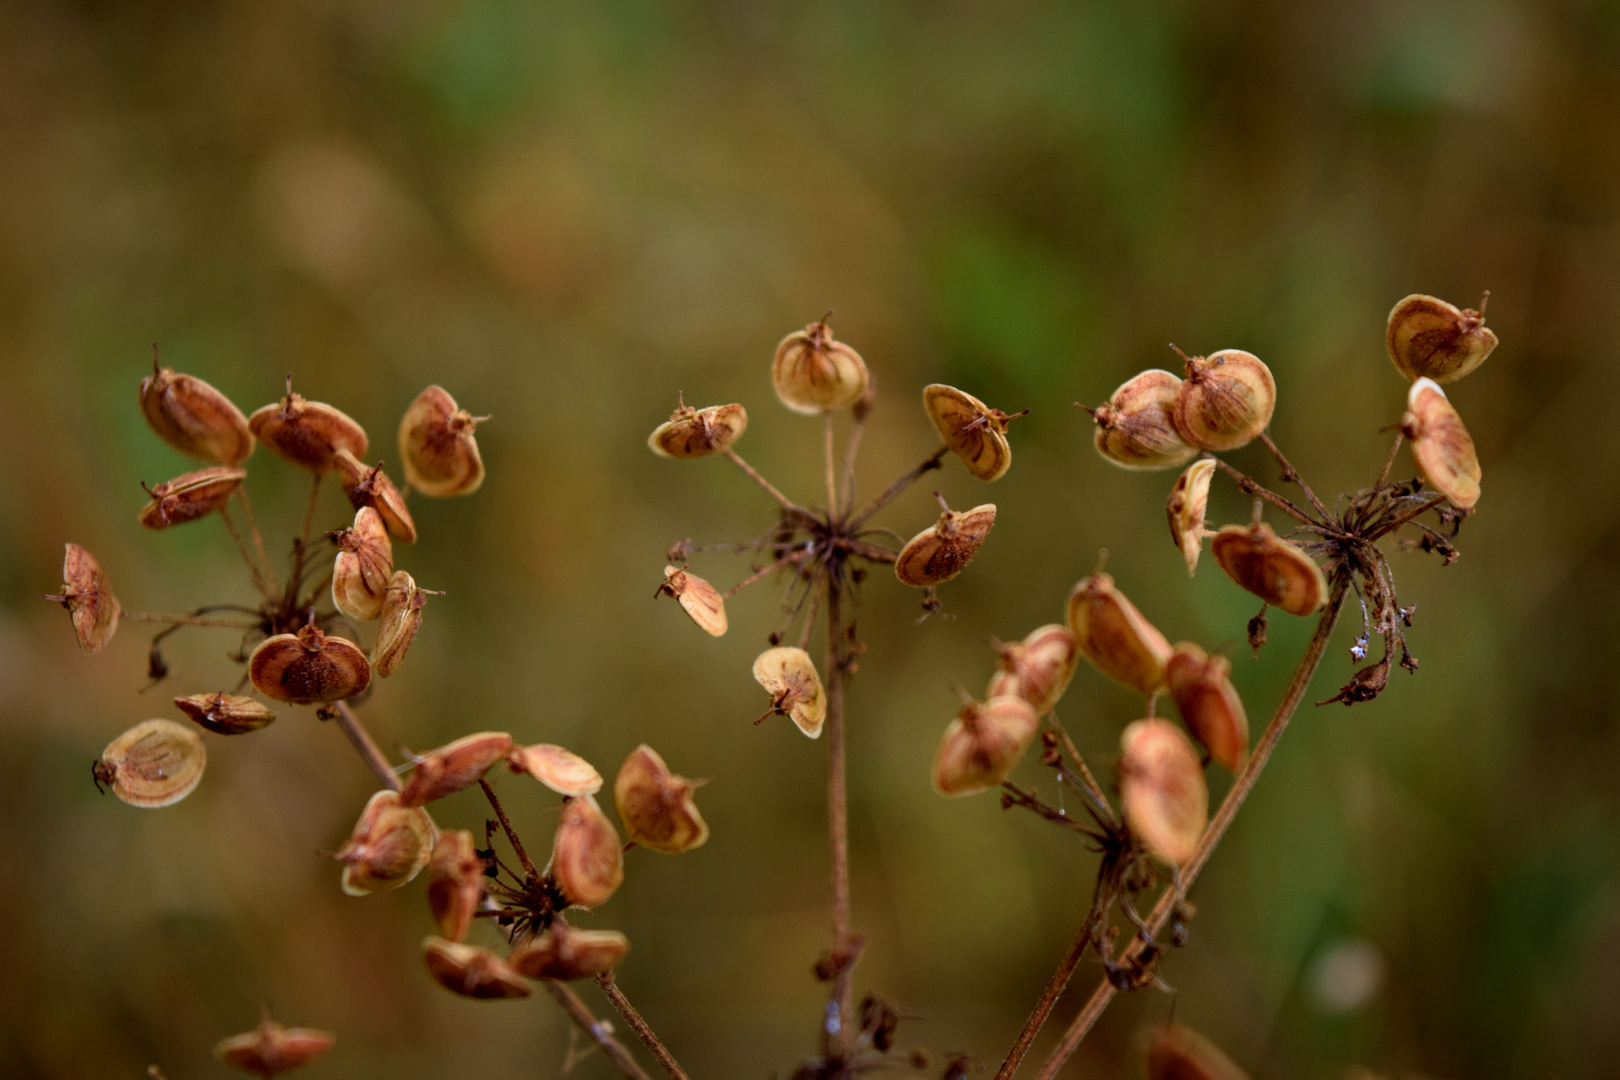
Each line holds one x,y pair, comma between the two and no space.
1177,1052
565,953
695,433
308,667
944,549
1037,669
1136,426
454,767
813,373
1440,444
1162,789
563,771
1269,567
1188,505
389,846
656,806
369,486
401,618
974,431
307,433
455,884
1225,401
1201,685
271,1049
586,858
190,497
364,566
1115,637
472,972
789,676
1431,339
226,714
984,742
155,763
88,598
437,444
697,598
193,417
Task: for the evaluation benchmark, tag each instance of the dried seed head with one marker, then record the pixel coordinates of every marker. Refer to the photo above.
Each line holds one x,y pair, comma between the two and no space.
944,549
88,598
1269,567
437,444
308,667
307,433
586,858
1189,502
695,433
697,598
370,486
189,497
565,953
984,742
1179,1053
656,806
1162,789
1226,400
155,763
563,771
401,618
813,373
1431,339
364,566
455,883
1441,445
270,1049
472,972
454,767
1037,669
974,431
1136,426
1113,635
193,417
388,847
789,676
226,714
1202,688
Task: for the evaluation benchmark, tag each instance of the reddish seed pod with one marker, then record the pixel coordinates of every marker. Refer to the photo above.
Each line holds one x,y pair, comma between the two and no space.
656,806
226,714
1187,510
1136,426
789,676
1037,669
563,771
370,486
565,953
308,667
271,1049
155,763
1225,401
700,600
455,883
1441,445
587,860
974,431
943,550
472,972
1177,1052
984,742
813,373
363,568
1114,636
437,445
1271,568
1201,685
388,847
190,497
88,598
401,618
1162,789
307,433
193,417
1431,339
695,433
454,767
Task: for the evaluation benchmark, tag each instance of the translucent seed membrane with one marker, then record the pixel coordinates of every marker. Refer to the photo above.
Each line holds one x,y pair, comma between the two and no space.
700,600
976,433
1201,686
695,433
1269,567
565,953
1037,669
1162,789
813,373
656,806
1187,510
1136,427
1430,338
389,846
943,550
789,676
587,860
1114,636
271,1049
190,497
1441,445
226,714
981,746
471,971
88,598
194,418
563,771
155,763
438,447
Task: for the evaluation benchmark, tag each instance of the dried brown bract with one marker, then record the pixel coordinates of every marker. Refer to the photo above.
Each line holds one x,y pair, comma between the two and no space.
271,1049
193,417
1115,637
369,486
155,763
1136,426
389,846
1177,1052
943,550
1201,685
190,497
586,858
1162,789
695,433
656,806
789,676
565,953
364,566
1037,669
563,771
88,598
1431,339
984,742
437,444
307,433
1187,508
1225,401
454,767
226,714
455,883
813,373
308,667
1271,568
472,972
697,598
1440,444
401,618
974,431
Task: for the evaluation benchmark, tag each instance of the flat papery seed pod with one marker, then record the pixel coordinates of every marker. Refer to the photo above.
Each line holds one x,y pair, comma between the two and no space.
271,1049
1115,637
308,667
88,598
1201,686
587,860
981,746
1431,339
1162,789
455,884
454,767
789,676
401,618
226,714
813,374
472,972
1225,401
1188,508
974,431
369,486
697,598
565,953
155,763
943,550
364,566
1177,1052
1441,445
194,418
656,806
1037,669
389,846
1136,426
190,497
307,433
438,447
563,771
695,433
1270,567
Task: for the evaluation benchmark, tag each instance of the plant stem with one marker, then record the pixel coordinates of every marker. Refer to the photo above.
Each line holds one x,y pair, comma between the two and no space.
365,746
1049,998
258,540
1391,526
787,503
598,1030
756,575
1389,462
836,1027
253,567
930,463
1290,473
189,620
638,1025
832,473
1252,486
511,833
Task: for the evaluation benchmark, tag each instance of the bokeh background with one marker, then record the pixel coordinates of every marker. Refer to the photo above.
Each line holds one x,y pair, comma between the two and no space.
566,213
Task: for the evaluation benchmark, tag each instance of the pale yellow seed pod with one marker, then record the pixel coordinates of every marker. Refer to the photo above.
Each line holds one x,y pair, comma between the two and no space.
455,884
308,667
1225,401
1115,637
1441,445
1201,686
471,971
401,618
370,486
389,846
789,676
1431,339
155,763
271,1049
656,806
695,433
363,568
975,433
438,447
190,497
700,600
1037,669
1188,508
193,417
1270,567
226,714
1162,789
1136,426
943,550
1176,1052
88,598
813,373
563,771
565,953
307,433
587,860
454,767
984,742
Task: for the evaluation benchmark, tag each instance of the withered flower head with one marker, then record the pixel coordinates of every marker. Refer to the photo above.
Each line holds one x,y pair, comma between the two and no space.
364,565
437,444
1431,339
944,549
155,763
307,433
1188,505
369,486
1136,427
789,676
1037,669
88,598
189,497
563,771
1177,1052
455,883
1202,688
1269,567
697,598
656,806
193,417
472,972
388,847
974,431
270,1049
586,858
308,667
454,767
813,373
1226,400
226,714
401,618
1440,444
984,742
565,953
1113,635
695,433
1162,789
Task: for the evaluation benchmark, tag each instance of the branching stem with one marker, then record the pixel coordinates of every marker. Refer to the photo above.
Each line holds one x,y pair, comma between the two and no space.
1290,473
366,746
598,1030
753,474
930,463
1252,486
639,1026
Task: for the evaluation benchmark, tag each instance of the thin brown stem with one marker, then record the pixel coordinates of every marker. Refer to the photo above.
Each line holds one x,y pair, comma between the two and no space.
1252,486
253,567
506,827
189,620
832,471
851,448
753,474
929,463
756,575
303,540
1098,796
638,1025
1389,462
1291,473
838,1026
258,540
1049,997
365,746
1395,523
598,1030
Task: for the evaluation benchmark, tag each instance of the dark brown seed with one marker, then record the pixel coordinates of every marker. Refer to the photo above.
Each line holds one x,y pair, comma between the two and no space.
1225,401
1115,637
1441,445
943,550
656,806
1429,338
363,567
586,858
190,497
472,972
226,714
454,767
271,1049
981,746
1269,567
455,883
308,667
88,598
307,433
388,847
1136,426
695,433
1201,685
565,953
437,445
370,486
193,417
813,373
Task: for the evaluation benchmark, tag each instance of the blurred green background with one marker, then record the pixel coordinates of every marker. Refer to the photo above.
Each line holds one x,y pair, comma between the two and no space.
565,213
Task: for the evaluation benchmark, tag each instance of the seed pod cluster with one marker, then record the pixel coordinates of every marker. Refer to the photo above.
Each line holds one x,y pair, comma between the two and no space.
975,433
363,568
789,676
308,667
813,373
1270,567
472,971
190,497
88,599
984,742
455,883
1037,669
1201,686
695,433
370,486
1429,338
438,447
700,600
454,767
943,550
1136,426
389,846
563,771
271,1049
656,806
586,858
226,714
193,417
1441,445
1225,401
565,953
155,763
307,433
1187,509
1115,637
1162,789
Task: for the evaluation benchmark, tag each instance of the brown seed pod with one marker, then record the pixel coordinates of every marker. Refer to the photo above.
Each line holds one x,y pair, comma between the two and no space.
437,445
190,497
401,618
1037,669
307,433
789,676
1225,401
308,667
454,767
388,847
472,972
944,549
565,953
813,373
656,806
364,566
193,417
1441,445
88,598
271,1049
1177,1052
1162,789
695,433
984,742
697,598
1201,685
1431,339
370,486
1269,567
226,714
974,431
1188,505
1113,635
563,771
1136,426
155,763
455,883
586,858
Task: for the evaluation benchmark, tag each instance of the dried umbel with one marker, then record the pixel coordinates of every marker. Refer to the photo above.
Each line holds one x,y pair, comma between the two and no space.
697,598
1225,401
1271,568
155,763
813,373
190,497
656,806
1177,1052
471,971
1162,789
388,847
437,444
401,618
1431,339
193,417
455,883
369,486
789,676
308,667
565,953
1136,426
1201,685
1440,444
974,431
563,771
88,598
586,858
307,433
1114,636
364,566
1037,669
271,1049
454,767
695,433
1187,508
226,714
944,549
984,742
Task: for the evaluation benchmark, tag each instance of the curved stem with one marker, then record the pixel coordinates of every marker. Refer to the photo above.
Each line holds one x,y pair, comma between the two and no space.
837,1030
598,1030
189,620
366,746
638,1025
